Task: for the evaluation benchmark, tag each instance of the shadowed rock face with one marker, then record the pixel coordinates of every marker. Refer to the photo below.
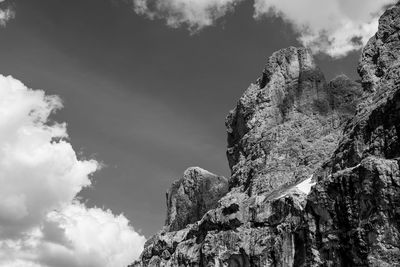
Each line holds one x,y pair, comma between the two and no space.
354,211
313,183
345,95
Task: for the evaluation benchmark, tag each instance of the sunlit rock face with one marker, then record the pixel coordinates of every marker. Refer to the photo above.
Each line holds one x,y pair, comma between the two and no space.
315,171
286,124
282,129
382,51
191,197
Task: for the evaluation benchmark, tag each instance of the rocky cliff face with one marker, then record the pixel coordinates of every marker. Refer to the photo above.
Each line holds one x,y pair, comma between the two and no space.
315,171
354,210
286,124
191,197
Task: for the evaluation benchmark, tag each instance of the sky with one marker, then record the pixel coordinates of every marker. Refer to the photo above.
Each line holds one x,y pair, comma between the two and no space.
143,87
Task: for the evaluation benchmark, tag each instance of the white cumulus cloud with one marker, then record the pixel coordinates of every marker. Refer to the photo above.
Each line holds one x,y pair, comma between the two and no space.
41,222
195,14
95,232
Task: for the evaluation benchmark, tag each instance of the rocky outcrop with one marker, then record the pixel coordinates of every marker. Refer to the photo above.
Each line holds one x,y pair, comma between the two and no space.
191,197
381,51
286,124
353,216
283,128
315,178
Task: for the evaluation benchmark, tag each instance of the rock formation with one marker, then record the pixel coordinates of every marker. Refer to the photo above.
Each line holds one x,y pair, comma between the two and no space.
285,125
353,213
191,197
315,178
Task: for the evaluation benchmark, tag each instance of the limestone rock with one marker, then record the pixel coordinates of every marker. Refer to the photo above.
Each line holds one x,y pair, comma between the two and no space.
345,94
191,197
281,137
382,50
312,184
354,211
288,123
353,216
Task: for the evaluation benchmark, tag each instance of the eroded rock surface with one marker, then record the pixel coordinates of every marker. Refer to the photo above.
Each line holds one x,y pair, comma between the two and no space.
354,211
287,124
382,50
315,171
191,197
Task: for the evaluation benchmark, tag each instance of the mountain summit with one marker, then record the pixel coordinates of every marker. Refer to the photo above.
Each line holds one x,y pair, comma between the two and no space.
315,176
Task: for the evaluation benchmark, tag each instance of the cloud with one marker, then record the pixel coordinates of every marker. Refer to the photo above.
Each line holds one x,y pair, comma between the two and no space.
39,170
94,237
195,14
6,13
41,222
75,237
333,27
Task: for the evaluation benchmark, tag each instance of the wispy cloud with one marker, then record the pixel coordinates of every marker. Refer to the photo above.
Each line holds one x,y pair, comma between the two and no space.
333,27
41,222
194,14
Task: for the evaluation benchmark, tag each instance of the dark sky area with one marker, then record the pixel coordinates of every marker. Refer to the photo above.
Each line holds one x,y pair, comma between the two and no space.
146,100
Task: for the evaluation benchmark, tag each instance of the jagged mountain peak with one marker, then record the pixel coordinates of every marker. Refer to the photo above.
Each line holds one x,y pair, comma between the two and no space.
315,170
289,122
190,197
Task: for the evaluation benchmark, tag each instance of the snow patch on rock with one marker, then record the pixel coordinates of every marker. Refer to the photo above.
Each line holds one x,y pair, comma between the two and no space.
306,185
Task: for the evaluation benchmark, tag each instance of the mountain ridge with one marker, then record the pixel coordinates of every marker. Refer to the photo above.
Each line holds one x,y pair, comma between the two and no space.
315,177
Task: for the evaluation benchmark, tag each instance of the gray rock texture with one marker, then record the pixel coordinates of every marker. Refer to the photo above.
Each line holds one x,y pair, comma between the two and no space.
381,51
287,124
354,210
191,197
315,174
